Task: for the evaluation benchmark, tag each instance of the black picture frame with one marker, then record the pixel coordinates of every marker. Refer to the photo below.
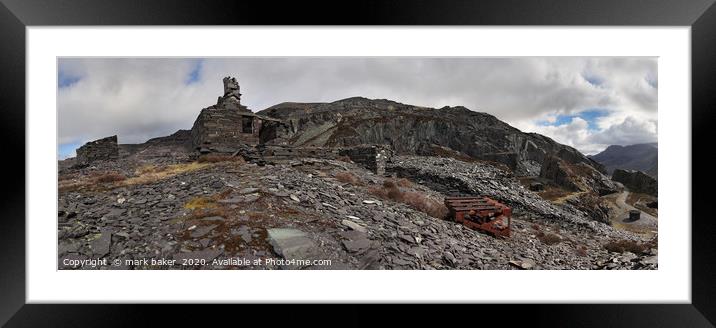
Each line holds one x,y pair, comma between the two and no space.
16,15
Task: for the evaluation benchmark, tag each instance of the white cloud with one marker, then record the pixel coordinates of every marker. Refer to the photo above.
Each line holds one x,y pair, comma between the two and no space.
589,141
138,99
630,131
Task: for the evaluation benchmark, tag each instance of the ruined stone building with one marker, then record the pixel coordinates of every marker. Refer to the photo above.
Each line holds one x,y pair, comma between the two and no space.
105,149
228,126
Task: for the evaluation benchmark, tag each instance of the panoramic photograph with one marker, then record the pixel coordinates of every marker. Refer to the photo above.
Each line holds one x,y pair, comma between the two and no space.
357,163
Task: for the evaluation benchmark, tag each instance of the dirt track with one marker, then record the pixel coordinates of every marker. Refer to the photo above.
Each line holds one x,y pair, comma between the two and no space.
647,222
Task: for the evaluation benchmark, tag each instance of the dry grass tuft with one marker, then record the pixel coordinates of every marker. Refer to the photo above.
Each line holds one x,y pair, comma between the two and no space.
425,204
581,251
91,182
142,175
110,177
72,185
549,238
152,173
416,200
201,202
621,246
347,177
405,183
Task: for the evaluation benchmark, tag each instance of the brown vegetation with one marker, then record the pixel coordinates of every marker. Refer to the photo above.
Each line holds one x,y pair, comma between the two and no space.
621,246
581,251
553,193
216,158
423,203
403,182
347,177
72,185
77,182
548,238
110,177
152,173
206,202
415,199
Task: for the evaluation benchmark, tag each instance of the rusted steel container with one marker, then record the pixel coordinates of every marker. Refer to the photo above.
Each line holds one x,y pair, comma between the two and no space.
480,213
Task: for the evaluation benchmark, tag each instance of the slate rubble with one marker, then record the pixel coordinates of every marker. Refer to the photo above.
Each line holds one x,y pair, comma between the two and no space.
346,223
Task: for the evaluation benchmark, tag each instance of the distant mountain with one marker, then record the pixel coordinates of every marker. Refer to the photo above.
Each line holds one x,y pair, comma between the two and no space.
642,157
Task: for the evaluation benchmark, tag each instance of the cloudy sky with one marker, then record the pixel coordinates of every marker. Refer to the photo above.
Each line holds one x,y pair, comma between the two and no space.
588,103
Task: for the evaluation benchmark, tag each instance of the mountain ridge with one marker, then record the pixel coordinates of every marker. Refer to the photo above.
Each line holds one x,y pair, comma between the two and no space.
641,157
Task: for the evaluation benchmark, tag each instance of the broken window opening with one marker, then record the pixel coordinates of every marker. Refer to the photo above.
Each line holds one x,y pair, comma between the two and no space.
247,124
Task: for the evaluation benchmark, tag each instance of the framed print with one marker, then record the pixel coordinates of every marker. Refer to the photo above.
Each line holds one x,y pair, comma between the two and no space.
404,153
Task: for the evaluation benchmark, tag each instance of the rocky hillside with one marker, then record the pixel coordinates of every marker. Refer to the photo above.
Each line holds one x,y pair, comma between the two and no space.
640,157
415,130
141,213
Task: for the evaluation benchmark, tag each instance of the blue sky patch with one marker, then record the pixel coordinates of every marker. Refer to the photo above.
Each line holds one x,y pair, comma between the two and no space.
68,149
65,80
593,79
590,115
195,73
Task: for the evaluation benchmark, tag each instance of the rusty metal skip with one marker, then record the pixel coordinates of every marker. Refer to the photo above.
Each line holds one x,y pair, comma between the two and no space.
481,213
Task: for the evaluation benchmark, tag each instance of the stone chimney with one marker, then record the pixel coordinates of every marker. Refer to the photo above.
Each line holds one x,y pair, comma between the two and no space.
231,88
232,97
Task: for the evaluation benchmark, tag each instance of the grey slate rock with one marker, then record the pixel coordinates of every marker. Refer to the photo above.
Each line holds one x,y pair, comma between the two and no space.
291,243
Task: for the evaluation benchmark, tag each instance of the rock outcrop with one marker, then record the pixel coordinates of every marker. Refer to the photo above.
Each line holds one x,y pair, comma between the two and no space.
636,181
576,177
557,171
415,130
104,149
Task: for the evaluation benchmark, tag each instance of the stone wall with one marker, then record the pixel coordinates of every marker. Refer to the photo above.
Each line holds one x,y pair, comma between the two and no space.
636,181
288,152
372,157
105,149
224,131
